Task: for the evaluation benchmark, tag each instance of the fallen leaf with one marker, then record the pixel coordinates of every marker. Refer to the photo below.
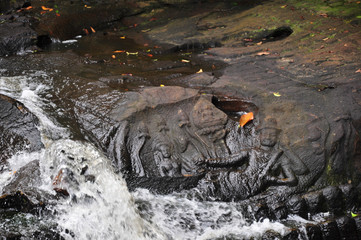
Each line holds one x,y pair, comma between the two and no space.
146,30
200,71
145,44
277,94
248,40
152,19
260,43
353,214
245,118
57,14
185,61
187,175
345,45
86,31
119,51
325,39
113,56
358,71
323,15
93,30
283,6
150,55
161,85
262,53
47,9
132,53
122,37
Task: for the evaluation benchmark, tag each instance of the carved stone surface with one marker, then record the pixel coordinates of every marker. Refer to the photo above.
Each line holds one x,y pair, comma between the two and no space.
177,133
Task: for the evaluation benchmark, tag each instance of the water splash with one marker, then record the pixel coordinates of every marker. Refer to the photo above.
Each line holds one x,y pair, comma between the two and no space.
182,217
99,208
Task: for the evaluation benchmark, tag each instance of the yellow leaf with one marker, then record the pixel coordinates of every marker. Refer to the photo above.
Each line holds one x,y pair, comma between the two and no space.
122,37
277,94
161,85
353,214
245,118
200,71
119,51
132,53
283,6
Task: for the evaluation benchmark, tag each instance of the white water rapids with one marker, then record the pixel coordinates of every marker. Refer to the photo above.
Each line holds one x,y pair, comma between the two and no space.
104,208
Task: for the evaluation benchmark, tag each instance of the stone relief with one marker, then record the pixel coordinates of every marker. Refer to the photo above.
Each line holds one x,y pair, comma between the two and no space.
193,138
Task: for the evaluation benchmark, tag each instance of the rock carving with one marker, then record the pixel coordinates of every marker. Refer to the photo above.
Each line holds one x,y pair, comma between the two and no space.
191,138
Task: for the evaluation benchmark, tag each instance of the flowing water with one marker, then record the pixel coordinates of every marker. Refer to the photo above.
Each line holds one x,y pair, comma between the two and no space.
103,208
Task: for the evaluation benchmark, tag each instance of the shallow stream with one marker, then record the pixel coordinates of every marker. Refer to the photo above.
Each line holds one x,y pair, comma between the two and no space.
49,84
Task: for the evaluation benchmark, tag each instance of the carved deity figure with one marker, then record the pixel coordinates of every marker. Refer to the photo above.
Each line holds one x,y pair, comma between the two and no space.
167,164
267,165
137,144
209,123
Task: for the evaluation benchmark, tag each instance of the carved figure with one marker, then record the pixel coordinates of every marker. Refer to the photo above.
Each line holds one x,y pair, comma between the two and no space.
137,143
167,164
264,163
209,123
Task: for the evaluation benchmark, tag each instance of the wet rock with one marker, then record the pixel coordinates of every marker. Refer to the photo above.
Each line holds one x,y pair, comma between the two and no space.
261,211
358,225
297,205
313,232
314,202
7,5
19,128
334,199
16,37
294,234
25,177
198,80
163,185
271,235
347,228
351,196
18,201
330,230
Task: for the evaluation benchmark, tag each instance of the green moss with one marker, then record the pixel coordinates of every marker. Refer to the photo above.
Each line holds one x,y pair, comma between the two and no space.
340,8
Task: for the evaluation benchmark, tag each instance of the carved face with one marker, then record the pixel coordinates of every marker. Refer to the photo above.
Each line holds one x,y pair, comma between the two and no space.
268,137
165,150
205,114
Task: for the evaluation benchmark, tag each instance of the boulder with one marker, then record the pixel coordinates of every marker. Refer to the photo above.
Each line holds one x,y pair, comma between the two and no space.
19,128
